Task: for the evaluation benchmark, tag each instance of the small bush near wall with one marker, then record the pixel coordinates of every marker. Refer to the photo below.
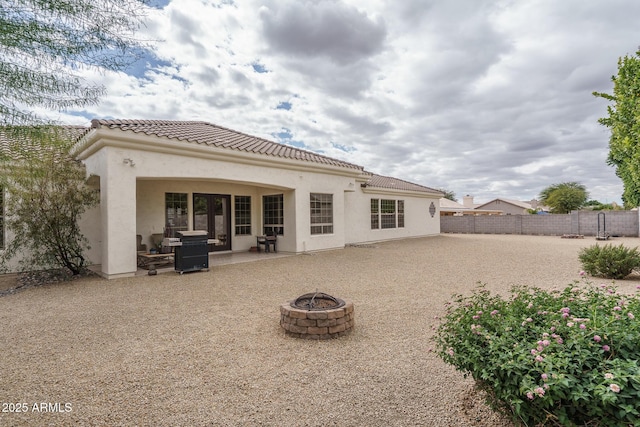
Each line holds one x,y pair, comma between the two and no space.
611,262
550,358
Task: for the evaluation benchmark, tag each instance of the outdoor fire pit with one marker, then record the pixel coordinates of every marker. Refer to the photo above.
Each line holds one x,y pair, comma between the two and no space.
317,315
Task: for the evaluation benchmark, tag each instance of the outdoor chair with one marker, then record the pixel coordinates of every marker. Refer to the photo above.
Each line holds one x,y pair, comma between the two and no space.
140,247
268,240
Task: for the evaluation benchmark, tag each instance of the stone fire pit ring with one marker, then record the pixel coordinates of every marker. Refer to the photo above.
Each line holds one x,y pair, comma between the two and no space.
317,316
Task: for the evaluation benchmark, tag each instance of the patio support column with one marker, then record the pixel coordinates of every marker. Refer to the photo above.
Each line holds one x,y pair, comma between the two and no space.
118,209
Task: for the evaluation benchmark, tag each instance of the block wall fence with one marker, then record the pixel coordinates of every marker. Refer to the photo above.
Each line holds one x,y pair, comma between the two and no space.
618,223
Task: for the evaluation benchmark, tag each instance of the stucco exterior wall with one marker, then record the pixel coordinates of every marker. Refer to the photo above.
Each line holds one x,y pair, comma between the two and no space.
136,170
418,220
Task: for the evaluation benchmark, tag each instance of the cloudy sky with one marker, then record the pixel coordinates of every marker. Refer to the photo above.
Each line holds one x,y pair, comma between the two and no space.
488,98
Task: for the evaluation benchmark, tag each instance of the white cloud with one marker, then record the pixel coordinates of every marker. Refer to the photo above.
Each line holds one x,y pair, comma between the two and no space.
491,99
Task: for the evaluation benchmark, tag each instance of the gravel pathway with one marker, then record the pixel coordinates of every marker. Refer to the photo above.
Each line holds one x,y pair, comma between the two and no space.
205,349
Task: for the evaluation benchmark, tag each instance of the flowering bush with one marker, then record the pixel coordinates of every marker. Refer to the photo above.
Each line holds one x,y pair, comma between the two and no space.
567,357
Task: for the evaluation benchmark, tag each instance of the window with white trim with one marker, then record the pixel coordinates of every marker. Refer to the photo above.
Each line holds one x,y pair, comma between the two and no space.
176,213
387,213
273,213
375,214
321,213
242,208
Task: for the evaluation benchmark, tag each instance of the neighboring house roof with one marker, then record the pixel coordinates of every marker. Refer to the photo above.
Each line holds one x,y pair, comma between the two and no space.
199,132
451,205
517,203
387,182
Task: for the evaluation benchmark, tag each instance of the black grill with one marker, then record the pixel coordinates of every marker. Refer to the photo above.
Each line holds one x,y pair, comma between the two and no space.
193,253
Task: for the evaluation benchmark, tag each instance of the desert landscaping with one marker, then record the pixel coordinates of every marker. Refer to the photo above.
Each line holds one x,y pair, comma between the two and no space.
206,348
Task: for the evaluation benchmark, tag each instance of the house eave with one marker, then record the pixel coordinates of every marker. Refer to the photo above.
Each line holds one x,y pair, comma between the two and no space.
398,192
97,139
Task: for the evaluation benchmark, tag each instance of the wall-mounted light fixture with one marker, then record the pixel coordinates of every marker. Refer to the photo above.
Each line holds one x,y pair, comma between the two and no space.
128,162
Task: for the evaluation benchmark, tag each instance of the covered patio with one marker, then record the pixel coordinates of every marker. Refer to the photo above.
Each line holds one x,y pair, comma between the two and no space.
223,258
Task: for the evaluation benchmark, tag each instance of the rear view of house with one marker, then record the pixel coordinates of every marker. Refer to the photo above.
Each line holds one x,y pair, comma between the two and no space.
157,178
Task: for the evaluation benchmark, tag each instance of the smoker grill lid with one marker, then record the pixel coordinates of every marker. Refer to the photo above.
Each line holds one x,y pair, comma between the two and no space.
192,233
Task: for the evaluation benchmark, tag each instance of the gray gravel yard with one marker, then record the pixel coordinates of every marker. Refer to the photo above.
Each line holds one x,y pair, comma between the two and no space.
206,349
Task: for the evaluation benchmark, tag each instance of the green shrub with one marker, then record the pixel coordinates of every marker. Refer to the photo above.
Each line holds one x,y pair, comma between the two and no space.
549,357
612,262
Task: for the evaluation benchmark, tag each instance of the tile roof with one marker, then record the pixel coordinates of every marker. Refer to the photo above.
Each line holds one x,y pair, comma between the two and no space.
199,132
517,203
450,204
379,181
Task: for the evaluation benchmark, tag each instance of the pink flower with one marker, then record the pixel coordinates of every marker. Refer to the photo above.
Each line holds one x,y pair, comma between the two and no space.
583,326
540,391
559,340
530,395
565,315
529,319
617,308
631,316
614,388
544,377
534,351
539,358
450,351
582,273
570,324
597,338
608,376
494,312
606,348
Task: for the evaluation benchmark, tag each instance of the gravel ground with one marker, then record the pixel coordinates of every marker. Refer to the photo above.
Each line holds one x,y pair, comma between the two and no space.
206,349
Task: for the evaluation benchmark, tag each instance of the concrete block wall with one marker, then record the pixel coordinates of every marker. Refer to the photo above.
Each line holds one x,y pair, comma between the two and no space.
546,225
487,224
618,223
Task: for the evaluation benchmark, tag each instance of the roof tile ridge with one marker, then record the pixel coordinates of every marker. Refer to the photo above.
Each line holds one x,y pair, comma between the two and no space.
402,180
263,143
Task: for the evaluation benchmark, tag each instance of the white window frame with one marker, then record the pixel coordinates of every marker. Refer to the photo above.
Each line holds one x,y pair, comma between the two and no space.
321,213
385,217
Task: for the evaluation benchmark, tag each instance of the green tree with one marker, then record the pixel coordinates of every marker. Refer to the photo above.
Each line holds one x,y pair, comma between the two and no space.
46,196
564,197
624,123
448,194
44,43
